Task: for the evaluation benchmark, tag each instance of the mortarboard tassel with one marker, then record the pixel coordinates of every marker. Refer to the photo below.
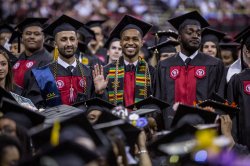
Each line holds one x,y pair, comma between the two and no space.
55,133
56,53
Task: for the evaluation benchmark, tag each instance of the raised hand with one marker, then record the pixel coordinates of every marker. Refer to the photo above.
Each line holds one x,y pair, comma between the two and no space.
99,81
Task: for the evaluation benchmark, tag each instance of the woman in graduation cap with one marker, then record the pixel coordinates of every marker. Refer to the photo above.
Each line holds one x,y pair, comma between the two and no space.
130,77
210,39
66,80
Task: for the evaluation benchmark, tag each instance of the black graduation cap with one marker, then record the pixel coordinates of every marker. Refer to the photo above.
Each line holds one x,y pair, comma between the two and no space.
60,112
41,135
192,115
238,37
86,33
63,23
49,43
187,19
6,28
130,22
95,103
16,38
165,47
65,154
244,37
95,23
13,59
177,142
220,108
150,102
108,121
209,34
21,115
31,21
165,35
109,41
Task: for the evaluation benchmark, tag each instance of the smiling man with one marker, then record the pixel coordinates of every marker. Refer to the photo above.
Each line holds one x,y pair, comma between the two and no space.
130,77
35,55
65,80
189,76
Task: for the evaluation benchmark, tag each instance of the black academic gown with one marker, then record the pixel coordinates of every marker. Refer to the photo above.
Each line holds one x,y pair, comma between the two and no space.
64,80
25,63
238,91
177,83
121,63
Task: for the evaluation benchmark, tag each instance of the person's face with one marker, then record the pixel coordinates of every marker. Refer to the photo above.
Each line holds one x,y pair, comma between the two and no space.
14,49
66,42
4,37
93,116
10,157
115,50
3,67
33,38
227,57
98,33
246,53
190,38
166,55
209,48
131,43
7,127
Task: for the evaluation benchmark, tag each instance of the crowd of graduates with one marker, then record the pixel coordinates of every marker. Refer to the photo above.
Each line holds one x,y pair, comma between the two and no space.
70,96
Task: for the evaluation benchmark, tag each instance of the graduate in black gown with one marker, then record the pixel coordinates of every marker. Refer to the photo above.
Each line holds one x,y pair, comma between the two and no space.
65,80
85,35
35,55
95,47
188,76
130,77
239,91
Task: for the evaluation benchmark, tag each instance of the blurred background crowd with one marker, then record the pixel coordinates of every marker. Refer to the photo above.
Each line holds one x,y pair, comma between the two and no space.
221,14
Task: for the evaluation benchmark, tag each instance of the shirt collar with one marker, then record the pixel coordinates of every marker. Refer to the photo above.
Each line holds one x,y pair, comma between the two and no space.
65,64
184,57
127,63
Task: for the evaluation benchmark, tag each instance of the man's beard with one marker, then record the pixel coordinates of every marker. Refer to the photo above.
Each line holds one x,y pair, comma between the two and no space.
189,48
64,54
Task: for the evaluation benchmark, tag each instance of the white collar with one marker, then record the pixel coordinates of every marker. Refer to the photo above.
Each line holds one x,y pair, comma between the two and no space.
65,64
234,68
127,63
184,57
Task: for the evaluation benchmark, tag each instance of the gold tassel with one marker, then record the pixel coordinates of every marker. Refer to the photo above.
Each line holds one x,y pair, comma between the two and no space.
55,133
56,53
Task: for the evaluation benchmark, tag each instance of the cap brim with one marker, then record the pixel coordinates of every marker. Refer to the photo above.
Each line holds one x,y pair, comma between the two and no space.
41,135
148,101
182,110
8,105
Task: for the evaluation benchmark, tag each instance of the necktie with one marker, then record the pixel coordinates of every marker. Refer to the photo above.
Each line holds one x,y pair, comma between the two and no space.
130,67
187,61
70,68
